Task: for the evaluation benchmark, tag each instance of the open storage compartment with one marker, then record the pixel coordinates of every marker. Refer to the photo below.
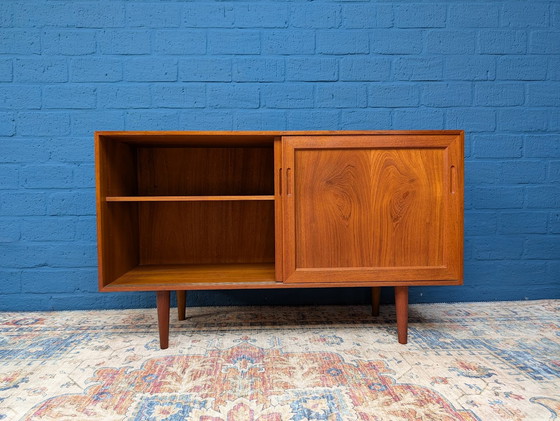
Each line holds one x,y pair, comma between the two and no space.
184,209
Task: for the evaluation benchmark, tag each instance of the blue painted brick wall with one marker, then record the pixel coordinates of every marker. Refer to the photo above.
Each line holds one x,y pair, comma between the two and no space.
68,68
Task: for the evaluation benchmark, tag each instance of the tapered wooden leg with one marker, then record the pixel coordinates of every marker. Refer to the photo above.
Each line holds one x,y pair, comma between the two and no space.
181,304
401,303
375,297
163,318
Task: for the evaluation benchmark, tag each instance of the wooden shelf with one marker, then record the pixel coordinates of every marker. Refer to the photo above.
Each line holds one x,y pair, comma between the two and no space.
186,198
158,277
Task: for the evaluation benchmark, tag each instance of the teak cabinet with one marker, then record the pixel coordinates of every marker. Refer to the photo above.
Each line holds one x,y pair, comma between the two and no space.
182,211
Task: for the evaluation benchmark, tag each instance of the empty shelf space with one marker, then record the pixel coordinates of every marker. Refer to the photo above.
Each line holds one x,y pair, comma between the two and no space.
210,276
221,198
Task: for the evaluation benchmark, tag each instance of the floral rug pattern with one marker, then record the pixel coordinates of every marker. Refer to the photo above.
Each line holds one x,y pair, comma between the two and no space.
475,361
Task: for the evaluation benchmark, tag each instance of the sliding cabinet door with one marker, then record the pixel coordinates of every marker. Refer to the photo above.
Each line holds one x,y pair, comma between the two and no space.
383,208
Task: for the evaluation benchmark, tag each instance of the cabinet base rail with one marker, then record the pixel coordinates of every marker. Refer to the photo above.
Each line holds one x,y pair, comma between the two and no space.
163,310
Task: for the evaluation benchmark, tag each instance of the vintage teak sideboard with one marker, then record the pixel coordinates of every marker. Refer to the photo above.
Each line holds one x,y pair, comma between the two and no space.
181,211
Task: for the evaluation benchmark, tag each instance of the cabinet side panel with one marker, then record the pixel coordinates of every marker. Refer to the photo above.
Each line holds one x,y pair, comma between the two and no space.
206,232
117,223
369,207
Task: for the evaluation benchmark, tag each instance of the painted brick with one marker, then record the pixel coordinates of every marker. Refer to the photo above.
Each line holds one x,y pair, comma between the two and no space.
492,94
365,69
359,16
150,70
292,95
85,123
555,21
14,41
48,229
450,42
522,119
497,247
6,72
542,146
20,97
124,96
10,232
86,230
153,15
483,172
542,247
498,197
84,175
554,223
6,15
311,120
198,15
418,69
180,42
311,69
43,124
420,15
472,15
36,150
202,119
418,119
341,95
314,15
75,202
342,42
523,172
553,68
9,176
525,15
205,70
365,119
38,70
554,172
151,120
393,95
22,203
260,120
69,96
68,42
470,68
480,223
288,42
71,150
497,146
124,41
386,41
545,94
521,272
241,95
234,42
258,70
46,176
261,14
95,70
454,94
543,197
502,41
179,96
11,282
471,119
523,223
7,124
521,68
32,281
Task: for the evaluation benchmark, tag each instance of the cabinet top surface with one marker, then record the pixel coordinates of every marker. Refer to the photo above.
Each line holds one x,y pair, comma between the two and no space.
275,133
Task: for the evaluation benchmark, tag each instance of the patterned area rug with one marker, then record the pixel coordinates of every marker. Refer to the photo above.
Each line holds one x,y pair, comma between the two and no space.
476,361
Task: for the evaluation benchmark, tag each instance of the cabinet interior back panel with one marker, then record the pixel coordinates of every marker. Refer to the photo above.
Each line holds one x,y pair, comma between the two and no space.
206,232
195,171
372,207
